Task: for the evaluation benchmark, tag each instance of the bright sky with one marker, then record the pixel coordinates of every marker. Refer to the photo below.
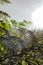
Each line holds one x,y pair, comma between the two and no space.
24,9
37,17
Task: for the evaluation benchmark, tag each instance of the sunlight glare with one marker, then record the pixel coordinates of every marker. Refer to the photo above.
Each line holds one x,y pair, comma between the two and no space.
37,18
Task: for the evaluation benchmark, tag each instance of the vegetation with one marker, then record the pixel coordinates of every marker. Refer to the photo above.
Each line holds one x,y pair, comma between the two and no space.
2,13
4,1
18,45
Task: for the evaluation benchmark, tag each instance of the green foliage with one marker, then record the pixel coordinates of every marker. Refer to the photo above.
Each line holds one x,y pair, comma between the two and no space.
4,1
19,46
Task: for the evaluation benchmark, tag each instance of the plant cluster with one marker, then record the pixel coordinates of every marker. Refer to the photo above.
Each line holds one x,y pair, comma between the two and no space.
18,45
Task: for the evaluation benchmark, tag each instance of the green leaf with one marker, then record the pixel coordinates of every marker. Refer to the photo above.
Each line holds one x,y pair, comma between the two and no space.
7,25
24,63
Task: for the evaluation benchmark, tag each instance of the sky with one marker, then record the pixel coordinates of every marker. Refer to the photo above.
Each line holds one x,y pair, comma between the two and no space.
21,9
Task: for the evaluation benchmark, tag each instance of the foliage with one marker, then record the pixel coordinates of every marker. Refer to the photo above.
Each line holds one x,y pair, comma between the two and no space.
19,45
4,1
2,13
